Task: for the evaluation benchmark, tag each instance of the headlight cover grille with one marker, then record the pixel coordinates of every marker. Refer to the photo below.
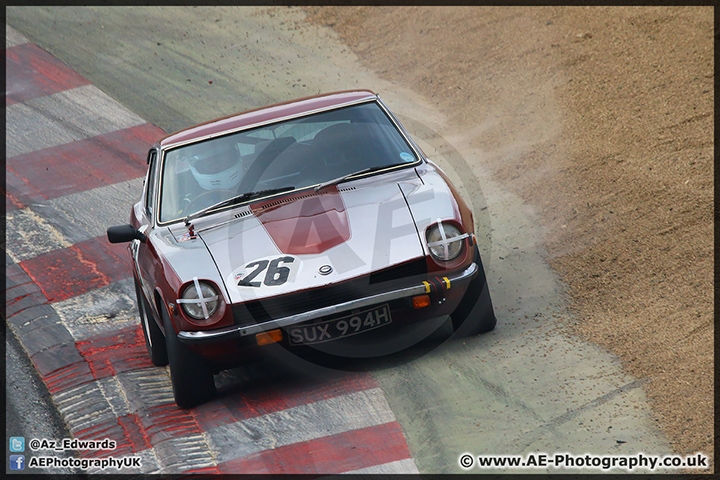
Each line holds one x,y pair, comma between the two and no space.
445,241
199,300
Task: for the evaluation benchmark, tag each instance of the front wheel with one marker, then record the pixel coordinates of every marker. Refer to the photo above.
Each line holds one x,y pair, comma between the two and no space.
475,314
154,338
191,376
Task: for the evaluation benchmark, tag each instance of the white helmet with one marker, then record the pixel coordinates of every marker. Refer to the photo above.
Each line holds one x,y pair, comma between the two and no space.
219,172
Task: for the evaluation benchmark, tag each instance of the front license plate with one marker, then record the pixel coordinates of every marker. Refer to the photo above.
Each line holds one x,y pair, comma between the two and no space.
340,327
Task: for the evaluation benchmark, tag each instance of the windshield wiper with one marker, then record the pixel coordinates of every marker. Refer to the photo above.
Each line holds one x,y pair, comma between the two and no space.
359,172
234,200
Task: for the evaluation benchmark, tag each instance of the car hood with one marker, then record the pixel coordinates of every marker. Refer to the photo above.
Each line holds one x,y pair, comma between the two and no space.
310,240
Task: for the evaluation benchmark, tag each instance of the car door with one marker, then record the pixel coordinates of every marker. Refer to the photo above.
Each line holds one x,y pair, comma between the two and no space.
144,256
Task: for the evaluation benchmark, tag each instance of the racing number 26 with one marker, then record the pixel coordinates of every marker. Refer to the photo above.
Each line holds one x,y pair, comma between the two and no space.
275,274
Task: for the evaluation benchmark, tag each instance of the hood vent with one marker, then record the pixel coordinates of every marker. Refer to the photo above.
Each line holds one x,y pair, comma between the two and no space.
285,200
282,201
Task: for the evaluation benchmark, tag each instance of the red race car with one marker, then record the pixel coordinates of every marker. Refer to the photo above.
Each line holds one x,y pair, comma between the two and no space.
317,223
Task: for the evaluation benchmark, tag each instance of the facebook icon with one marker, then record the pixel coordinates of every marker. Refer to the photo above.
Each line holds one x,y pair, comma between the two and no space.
17,462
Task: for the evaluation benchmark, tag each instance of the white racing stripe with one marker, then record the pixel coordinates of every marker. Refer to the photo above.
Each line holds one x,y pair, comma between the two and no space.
300,424
64,117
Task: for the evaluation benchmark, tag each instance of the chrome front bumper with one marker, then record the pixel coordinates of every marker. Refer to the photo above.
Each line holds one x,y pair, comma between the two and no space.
210,336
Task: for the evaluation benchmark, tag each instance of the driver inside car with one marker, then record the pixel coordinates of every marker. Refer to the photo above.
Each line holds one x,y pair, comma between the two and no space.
215,176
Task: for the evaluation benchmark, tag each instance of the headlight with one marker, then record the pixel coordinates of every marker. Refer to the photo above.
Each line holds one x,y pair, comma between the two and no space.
199,300
445,241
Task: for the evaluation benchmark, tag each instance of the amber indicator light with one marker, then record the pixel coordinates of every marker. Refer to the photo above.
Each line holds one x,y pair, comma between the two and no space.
421,301
266,338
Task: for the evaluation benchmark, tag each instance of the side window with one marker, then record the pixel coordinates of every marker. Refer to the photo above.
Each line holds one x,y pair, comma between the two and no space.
150,181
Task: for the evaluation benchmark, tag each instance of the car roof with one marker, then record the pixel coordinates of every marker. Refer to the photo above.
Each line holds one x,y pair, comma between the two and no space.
266,114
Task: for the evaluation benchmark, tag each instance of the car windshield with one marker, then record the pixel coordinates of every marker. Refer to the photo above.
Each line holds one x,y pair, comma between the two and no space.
297,153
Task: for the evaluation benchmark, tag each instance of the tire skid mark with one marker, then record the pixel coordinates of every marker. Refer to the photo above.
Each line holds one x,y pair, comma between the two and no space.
501,392
550,425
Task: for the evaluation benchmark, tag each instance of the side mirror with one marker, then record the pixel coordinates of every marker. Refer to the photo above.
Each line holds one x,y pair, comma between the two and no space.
123,234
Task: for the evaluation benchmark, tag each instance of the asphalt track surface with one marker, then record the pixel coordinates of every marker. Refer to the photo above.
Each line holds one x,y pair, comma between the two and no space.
78,130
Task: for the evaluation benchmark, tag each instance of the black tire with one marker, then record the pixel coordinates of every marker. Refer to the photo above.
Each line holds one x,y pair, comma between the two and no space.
475,314
154,338
191,375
